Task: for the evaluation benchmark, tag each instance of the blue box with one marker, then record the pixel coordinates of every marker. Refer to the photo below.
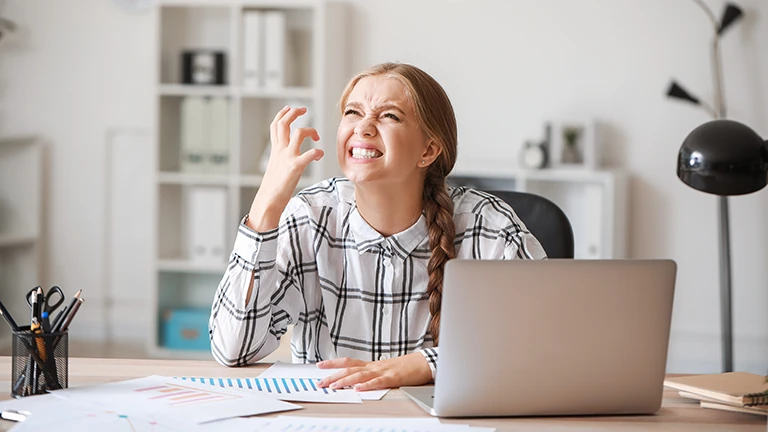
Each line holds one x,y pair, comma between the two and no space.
186,329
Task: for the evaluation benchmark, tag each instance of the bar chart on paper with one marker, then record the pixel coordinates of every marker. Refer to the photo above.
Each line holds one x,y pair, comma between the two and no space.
288,389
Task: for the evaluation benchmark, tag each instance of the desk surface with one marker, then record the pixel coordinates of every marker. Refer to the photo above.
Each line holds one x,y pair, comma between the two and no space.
676,414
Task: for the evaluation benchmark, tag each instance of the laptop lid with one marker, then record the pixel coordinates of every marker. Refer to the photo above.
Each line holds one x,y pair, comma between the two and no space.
553,337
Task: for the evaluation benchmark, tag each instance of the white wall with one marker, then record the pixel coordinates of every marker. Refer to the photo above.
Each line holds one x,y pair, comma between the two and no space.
508,65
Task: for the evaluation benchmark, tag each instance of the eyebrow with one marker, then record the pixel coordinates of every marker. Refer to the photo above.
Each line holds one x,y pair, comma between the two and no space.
384,107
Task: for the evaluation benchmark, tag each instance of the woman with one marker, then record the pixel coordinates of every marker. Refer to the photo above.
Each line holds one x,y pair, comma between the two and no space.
356,263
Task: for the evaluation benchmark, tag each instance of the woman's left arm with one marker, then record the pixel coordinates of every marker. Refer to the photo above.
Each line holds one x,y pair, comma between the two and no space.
408,370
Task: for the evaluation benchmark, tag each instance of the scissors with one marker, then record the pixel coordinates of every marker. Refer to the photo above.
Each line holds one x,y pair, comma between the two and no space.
51,301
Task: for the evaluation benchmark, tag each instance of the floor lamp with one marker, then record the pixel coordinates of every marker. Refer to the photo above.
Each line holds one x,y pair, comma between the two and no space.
721,158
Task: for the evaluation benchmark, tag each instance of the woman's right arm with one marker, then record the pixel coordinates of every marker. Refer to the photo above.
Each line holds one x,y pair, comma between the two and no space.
246,318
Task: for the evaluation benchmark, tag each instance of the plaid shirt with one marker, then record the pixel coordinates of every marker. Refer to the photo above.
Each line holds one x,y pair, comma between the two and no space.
348,290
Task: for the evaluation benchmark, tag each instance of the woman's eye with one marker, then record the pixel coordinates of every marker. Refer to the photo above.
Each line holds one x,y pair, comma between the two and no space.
351,112
392,116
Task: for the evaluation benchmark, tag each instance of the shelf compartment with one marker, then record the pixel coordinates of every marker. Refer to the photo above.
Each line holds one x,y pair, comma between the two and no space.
186,26
170,144
189,217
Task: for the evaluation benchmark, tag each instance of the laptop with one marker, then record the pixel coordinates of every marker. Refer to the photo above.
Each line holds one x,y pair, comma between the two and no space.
551,337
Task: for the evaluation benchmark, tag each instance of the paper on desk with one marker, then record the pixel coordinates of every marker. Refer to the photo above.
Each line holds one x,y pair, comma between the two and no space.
298,370
286,389
317,424
163,397
49,412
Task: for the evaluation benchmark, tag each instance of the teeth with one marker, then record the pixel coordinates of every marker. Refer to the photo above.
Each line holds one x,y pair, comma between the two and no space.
361,153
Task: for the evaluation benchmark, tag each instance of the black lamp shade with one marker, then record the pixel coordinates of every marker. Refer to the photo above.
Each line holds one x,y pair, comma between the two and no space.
678,92
730,15
723,157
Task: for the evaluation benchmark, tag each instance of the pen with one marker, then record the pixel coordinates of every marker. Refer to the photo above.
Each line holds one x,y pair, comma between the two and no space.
8,317
59,317
59,325
45,322
71,314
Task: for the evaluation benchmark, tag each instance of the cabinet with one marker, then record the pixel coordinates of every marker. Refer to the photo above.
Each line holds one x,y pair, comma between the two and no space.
311,34
595,201
21,187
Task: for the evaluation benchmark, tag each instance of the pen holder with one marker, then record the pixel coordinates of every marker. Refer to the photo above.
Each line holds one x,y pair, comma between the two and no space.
39,362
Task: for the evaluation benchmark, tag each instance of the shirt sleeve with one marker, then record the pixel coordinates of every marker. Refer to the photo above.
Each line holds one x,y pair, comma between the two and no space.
431,355
522,245
243,332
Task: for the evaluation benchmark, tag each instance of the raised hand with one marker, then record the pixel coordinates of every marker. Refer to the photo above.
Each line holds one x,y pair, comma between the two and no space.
286,165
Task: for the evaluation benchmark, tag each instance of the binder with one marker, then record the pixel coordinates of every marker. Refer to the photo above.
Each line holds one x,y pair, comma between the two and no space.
218,136
206,227
735,388
193,136
277,50
253,36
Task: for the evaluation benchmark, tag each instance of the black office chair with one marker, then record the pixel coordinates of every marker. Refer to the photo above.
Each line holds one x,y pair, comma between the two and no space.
544,219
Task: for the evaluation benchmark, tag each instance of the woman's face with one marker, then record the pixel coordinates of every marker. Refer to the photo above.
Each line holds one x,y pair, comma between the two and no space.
379,138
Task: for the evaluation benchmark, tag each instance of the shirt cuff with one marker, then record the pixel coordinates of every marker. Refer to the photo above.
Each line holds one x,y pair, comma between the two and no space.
252,246
431,355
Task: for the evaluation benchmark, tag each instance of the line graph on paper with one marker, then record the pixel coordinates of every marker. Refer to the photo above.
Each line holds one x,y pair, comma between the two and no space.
180,395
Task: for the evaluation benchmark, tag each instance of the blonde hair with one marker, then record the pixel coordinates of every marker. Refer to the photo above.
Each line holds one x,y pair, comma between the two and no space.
436,117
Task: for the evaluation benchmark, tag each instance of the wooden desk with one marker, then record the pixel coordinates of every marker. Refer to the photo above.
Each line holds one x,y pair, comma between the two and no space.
676,414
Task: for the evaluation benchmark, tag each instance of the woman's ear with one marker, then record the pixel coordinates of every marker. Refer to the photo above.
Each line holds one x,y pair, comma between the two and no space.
431,153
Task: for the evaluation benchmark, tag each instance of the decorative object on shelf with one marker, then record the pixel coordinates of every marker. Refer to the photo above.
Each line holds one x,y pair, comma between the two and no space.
6,27
722,158
202,67
536,154
574,143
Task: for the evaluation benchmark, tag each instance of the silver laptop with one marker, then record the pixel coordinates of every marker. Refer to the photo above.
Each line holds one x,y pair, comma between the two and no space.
551,337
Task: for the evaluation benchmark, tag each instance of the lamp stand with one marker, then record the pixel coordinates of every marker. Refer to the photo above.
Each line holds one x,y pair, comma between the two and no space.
725,237
725,285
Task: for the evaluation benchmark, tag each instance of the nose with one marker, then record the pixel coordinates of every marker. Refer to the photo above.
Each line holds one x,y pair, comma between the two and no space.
365,128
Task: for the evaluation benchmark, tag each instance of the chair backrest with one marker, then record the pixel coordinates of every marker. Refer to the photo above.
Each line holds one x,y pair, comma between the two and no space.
544,219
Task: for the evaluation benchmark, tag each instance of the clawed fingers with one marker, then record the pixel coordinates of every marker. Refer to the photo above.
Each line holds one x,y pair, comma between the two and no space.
281,125
298,135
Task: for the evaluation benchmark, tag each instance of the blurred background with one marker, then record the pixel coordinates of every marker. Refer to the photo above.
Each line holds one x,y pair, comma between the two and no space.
132,136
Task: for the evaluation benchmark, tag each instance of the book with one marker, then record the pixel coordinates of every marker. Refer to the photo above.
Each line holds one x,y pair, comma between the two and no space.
193,136
206,225
761,410
218,136
735,388
278,53
253,35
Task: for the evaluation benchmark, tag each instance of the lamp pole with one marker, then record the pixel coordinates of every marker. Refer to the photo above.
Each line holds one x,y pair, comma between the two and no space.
724,229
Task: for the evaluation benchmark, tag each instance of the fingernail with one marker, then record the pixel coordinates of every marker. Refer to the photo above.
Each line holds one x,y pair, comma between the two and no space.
322,363
334,386
285,107
358,387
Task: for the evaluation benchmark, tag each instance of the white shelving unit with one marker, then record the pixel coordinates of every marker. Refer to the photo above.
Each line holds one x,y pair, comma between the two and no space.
21,188
595,201
316,35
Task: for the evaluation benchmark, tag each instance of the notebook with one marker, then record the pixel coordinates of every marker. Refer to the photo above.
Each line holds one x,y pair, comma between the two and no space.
735,388
725,407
